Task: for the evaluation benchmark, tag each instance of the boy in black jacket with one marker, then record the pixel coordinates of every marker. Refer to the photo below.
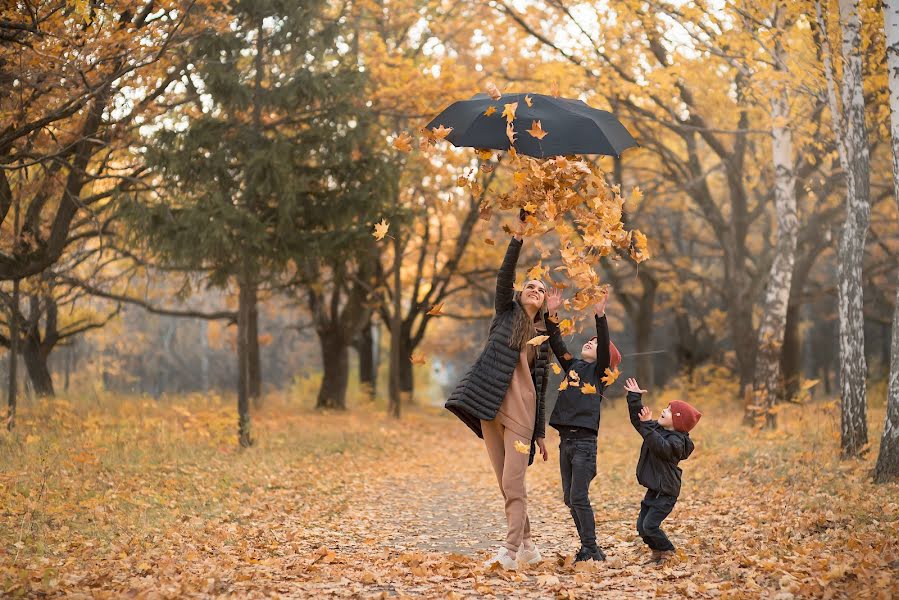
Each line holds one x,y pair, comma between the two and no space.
576,417
666,442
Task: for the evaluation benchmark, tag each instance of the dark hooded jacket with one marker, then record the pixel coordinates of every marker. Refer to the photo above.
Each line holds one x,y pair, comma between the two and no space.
661,451
574,409
481,392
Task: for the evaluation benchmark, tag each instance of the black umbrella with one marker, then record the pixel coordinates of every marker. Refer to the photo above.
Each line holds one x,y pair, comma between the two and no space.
571,126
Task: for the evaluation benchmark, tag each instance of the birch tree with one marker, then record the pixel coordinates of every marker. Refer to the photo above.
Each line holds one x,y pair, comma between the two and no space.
888,460
847,107
777,293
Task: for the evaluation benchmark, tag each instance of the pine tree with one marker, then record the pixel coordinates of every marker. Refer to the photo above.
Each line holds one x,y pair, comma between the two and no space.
265,168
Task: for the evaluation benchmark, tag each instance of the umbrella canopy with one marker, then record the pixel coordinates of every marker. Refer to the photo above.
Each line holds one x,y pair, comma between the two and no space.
571,126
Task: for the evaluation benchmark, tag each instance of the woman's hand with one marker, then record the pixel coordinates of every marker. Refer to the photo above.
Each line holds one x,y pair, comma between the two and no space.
632,386
542,445
522,225
553,300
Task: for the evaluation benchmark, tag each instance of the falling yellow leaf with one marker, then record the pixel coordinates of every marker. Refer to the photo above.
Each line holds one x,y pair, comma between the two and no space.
484,153
436,310
808,384
509,111
537,340
536,272
417,358
536,130
403,142
493,91
556,368
490,110
489,242
530,207
522,447
381,229
529,101
510,132
563,385
574,378
441,132
588,388
610,376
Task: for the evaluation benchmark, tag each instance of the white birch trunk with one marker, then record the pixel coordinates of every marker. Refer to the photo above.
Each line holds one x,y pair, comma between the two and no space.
852,137
888,460
766,381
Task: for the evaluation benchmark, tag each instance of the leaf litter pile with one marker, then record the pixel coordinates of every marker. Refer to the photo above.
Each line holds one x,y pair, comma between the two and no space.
151,499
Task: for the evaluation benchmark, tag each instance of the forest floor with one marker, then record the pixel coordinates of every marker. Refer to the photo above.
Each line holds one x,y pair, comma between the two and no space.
115,497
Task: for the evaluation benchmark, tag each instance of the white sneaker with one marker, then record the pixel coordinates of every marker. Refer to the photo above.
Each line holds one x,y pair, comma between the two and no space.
529,556
503,559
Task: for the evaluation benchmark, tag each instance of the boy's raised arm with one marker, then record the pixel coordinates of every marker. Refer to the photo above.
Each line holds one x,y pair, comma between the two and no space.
557,343
603,355
634,405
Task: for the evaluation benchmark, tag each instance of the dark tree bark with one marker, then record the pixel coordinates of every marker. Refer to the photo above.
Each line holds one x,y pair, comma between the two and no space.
246,299
368,368
254,360
36,365
13,354
336,370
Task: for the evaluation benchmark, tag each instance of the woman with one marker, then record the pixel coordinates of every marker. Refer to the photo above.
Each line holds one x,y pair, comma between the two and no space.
502,400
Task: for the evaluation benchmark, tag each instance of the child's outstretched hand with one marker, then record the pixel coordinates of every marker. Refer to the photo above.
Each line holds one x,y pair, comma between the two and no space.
553,300
632,386
645,414
600,307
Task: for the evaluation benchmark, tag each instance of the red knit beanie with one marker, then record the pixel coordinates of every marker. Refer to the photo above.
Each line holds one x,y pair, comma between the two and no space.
614,355
683,416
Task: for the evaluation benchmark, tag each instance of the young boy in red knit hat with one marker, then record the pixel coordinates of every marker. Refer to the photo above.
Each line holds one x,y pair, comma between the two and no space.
666,442
576,417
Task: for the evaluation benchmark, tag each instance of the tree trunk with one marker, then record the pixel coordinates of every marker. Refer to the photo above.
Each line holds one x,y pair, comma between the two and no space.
791,353
36,365
13,351
368,368
394,407
766,381
853,422
254,361
887,467
643,326
246,296
203,339
336,370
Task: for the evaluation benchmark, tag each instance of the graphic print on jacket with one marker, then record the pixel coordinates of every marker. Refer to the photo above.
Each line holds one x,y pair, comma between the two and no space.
573,407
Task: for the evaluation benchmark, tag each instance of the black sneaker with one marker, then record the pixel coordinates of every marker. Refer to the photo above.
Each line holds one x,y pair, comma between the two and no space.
589,554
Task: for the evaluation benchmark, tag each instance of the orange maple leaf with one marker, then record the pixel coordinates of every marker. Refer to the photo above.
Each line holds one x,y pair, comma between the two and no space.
403,142
510,132
441,132
417,358
490,110
610,376
381,229
537,340
436,310
588,388
509,111
529,101
537,131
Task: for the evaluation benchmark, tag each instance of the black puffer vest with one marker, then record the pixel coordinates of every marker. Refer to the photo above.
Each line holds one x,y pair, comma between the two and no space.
481,391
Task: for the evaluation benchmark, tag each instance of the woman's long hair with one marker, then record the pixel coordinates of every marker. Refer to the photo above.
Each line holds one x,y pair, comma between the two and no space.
523,328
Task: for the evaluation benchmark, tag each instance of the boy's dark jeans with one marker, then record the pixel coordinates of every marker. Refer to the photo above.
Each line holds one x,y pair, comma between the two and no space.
654,508
577,461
